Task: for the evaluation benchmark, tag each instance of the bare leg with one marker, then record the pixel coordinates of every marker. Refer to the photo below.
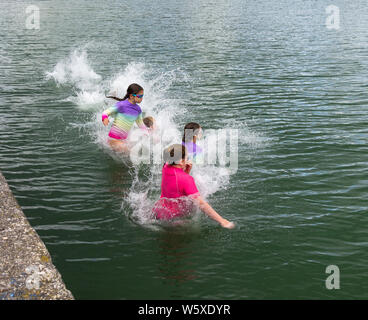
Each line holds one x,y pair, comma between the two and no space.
119,146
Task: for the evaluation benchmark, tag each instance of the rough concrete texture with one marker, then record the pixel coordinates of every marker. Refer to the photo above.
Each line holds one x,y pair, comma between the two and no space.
26,269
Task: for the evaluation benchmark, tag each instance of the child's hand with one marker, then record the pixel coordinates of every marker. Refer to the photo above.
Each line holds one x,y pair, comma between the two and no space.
106,121
228,225
188,166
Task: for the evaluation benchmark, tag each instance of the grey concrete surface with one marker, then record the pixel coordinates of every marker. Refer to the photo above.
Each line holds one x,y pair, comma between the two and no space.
26,269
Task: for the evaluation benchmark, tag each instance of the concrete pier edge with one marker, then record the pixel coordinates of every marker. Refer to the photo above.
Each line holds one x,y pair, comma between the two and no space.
26,268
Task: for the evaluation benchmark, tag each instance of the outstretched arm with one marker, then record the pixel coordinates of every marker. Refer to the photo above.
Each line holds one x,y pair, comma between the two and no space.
207,209
108,112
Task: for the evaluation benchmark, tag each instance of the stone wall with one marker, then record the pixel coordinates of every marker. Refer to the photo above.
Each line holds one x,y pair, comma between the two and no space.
26,269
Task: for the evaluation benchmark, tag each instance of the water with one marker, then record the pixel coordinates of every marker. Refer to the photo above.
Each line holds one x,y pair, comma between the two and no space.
295,90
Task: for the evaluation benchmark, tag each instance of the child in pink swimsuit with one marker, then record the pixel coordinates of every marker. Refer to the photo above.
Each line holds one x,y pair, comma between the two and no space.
179,191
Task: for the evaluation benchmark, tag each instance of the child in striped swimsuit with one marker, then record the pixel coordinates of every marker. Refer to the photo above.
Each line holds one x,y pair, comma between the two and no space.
126,112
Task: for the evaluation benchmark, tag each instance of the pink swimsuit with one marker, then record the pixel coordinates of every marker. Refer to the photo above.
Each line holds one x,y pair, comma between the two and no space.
176,186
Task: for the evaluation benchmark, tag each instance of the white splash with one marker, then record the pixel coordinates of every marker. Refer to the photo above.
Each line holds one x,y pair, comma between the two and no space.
76,71
89,87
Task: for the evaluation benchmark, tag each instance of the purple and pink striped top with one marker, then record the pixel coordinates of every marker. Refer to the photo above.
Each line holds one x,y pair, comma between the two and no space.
125,114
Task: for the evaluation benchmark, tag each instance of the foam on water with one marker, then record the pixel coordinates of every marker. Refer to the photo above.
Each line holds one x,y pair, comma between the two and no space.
76,72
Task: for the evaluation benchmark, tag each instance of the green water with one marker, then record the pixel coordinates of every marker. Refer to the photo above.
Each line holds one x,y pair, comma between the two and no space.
296,88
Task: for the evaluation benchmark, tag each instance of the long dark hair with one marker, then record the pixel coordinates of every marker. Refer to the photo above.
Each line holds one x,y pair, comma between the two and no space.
191,129
134,88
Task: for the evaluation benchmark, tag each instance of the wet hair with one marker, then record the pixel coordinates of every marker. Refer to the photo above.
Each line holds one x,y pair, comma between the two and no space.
132,89
191,129
174,154
148,121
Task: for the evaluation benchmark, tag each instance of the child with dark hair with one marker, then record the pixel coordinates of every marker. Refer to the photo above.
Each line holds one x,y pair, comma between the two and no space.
126,112
150,122
192,132
179,191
